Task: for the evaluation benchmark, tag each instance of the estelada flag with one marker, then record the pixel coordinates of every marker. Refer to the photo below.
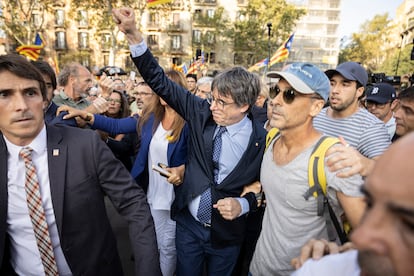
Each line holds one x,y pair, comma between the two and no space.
283,52
32,51
152,3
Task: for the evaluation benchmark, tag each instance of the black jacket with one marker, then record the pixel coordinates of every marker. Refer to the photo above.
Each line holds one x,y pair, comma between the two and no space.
199,167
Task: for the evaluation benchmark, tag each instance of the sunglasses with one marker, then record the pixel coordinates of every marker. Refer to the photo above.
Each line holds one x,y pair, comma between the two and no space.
289,95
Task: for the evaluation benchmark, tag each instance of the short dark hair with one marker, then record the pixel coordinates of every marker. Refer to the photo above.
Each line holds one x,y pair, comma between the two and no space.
194,76
46,69
407,94
22,68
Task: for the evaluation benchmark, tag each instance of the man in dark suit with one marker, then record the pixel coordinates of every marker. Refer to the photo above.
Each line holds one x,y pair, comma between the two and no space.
212,180
69,172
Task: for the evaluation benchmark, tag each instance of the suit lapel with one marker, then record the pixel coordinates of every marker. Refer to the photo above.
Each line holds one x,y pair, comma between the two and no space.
57,159
3,185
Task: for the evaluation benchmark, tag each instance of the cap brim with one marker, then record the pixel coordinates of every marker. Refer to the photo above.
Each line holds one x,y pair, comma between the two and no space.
379,100
294,81
344,74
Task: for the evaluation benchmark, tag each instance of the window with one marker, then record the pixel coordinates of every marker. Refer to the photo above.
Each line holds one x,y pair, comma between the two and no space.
153,19
210,13
60,18
176,19
106,59
176,42
210,38
60,40
36,20
106,42
197,14
152,40
212,57
83,18
177,61
84,60
196,36
83,39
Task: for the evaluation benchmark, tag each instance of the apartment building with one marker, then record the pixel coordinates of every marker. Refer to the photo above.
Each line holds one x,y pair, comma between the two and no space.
177,34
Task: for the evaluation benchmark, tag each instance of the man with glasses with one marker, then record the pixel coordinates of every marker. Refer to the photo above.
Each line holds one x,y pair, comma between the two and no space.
143,95
225,153
380,102
366,135
290,218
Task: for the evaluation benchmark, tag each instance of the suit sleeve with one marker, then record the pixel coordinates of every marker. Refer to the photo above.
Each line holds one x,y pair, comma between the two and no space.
130,201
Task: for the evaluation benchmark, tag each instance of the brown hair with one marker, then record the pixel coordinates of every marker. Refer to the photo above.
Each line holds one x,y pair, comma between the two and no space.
158,110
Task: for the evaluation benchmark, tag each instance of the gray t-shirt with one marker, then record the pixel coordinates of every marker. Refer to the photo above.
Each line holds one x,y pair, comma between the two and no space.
290,220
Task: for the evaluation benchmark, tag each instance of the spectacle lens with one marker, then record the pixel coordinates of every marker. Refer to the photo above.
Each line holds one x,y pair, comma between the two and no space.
288,95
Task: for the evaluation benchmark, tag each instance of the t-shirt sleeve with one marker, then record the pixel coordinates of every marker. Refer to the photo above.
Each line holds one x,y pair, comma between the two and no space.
350,186
374,140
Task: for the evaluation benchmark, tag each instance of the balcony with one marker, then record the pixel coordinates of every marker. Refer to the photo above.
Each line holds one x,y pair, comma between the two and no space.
205,2
176,27
176,51
153,26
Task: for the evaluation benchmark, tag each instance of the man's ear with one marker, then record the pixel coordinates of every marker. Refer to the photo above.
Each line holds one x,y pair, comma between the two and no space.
317,105
244,108
360,91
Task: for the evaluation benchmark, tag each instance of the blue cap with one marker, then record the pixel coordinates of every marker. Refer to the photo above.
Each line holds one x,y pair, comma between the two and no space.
305,78
351,71
381,93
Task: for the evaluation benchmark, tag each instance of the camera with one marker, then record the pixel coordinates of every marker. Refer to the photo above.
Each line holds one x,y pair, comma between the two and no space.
381,77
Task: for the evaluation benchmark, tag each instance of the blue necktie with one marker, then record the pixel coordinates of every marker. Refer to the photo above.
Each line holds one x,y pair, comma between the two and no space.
204,209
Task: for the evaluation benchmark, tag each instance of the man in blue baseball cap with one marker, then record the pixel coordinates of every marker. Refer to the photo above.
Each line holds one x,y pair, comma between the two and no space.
290,220
366,136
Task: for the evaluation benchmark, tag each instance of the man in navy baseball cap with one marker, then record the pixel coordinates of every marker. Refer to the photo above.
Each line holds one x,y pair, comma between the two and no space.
380,102
351,71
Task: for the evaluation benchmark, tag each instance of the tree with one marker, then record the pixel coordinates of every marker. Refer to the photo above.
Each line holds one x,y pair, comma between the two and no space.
398,63
208,30
101,18
366,45
250,33
22,20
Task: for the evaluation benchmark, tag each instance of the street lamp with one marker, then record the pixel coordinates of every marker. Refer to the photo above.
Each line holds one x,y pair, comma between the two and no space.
269,32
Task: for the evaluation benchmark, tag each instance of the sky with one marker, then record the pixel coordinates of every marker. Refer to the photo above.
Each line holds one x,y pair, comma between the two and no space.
356,12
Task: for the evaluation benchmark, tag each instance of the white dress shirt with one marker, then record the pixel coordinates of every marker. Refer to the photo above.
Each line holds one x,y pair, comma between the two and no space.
25,256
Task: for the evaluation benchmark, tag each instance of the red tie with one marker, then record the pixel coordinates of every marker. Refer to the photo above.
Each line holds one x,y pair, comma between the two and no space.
37,214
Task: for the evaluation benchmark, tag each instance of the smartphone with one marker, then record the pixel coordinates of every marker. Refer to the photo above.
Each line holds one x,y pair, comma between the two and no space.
161,171
132,75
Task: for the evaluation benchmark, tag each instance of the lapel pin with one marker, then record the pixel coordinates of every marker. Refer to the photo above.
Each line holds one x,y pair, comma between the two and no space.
257,144
55,152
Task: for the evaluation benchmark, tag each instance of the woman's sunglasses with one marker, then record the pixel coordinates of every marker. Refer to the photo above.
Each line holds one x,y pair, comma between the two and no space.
289,95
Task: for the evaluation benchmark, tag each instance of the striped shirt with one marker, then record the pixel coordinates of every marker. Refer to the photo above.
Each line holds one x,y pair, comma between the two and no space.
362,130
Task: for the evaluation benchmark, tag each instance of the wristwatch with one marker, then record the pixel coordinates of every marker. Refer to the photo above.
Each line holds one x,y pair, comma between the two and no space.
88,117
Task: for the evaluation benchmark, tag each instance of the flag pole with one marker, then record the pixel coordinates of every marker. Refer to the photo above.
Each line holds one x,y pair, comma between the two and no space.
269,31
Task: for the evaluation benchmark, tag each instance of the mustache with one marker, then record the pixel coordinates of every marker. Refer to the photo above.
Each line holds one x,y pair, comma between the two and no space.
22,117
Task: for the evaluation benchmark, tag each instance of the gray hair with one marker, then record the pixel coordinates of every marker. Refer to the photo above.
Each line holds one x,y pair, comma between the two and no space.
238,83
204,80
71,69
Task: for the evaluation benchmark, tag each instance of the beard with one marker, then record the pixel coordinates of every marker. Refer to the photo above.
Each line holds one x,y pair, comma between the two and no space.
372,264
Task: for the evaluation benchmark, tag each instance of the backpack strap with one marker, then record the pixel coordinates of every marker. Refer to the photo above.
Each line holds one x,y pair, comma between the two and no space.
271,135
316,168
318,186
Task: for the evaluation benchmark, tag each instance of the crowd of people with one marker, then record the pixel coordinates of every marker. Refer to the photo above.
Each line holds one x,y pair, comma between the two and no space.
213,175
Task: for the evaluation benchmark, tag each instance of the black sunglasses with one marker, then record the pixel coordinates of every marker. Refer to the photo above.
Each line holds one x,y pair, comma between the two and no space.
289,95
